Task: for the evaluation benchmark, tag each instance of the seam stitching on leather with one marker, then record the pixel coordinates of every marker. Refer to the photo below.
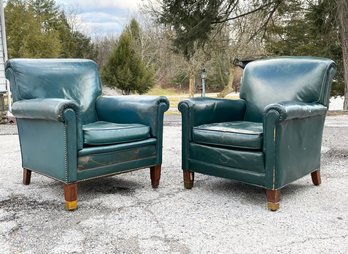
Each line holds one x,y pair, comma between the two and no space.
325,80
274,110
234,132
274,140
65,155
15,85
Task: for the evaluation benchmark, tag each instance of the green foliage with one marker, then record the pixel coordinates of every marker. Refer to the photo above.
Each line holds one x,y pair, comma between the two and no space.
196,23
312,30
25,36
77,45
38,28
192,21
125,68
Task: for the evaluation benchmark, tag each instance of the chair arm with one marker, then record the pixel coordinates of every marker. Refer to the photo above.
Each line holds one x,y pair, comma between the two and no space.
198,111
147,110
48,109
292,140
291,109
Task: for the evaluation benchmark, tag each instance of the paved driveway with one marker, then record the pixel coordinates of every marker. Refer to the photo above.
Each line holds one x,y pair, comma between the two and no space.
122,214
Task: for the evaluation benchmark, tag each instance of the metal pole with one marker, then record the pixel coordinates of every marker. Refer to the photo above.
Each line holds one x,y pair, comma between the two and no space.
203,87
203,77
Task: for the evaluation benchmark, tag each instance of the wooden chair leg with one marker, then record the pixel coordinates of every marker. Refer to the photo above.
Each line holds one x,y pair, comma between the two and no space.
26,176
189,177
273,198
70,195
316,179
155,174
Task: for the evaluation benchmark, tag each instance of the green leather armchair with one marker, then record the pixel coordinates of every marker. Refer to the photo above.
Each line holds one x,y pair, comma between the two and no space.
269,137
70,132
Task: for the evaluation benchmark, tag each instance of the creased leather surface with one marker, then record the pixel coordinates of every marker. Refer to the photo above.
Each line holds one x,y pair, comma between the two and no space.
242,159
294,109
238,134
298,148
198,111
55,97
211,110
116,147
99,160
274,80
71,79
146,110
106,133
43,153
289,96
49,109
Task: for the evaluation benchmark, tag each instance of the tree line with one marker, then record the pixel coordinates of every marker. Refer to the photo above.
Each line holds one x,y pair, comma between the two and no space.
278,27
39,28
174,40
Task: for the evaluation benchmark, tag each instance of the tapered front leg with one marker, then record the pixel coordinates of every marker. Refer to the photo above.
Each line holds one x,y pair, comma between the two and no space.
70,195
189,177
316,179
155,174
273,198
26,176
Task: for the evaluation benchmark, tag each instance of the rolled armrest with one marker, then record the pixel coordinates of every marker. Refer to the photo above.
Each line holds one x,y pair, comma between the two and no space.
291,109
200,111
49,109
147,110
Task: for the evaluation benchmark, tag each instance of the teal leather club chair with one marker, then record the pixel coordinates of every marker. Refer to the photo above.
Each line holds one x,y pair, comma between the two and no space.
70,132
269,137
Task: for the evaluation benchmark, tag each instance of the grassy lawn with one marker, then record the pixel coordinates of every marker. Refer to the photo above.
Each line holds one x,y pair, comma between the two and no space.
175,97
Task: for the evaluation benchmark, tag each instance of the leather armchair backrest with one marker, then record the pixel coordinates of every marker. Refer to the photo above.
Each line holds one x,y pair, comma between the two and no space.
305,79
72,79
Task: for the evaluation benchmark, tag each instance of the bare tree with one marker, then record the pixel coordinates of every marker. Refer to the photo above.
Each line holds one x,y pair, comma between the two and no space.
104,46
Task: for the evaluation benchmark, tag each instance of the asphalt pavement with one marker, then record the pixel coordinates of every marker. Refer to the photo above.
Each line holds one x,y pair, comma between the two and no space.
123,214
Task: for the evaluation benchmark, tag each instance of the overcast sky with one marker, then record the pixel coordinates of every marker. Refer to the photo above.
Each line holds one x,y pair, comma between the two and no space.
101,17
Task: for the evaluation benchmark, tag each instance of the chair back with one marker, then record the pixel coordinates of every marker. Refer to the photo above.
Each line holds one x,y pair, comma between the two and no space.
72,79
273,80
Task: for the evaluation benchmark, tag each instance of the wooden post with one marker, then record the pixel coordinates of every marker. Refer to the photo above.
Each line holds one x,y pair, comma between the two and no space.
273,198
26,176
316,179
155,174
188,179
70,195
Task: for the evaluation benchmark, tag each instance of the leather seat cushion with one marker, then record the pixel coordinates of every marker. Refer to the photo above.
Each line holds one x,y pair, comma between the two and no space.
106,133
239,134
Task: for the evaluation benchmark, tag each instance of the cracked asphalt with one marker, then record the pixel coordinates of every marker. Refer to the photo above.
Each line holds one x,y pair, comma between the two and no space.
123,214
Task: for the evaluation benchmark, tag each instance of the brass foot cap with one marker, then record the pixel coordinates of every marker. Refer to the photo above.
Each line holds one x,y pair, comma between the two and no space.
273,206
188,185
70,205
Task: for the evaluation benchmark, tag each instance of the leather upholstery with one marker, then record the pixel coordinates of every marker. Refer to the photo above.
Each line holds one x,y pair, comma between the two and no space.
69,132
286,98
238,134
269,81
232,158
75,80
106,133
146,110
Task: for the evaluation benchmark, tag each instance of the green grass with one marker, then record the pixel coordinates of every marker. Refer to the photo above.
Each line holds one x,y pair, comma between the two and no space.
162,91
175,97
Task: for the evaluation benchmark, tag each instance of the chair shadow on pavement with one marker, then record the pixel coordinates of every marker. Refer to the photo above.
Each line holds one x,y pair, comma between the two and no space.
253,194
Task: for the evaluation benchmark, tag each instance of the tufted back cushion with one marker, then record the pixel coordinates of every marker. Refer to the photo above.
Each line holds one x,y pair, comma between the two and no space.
305,79
72,79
